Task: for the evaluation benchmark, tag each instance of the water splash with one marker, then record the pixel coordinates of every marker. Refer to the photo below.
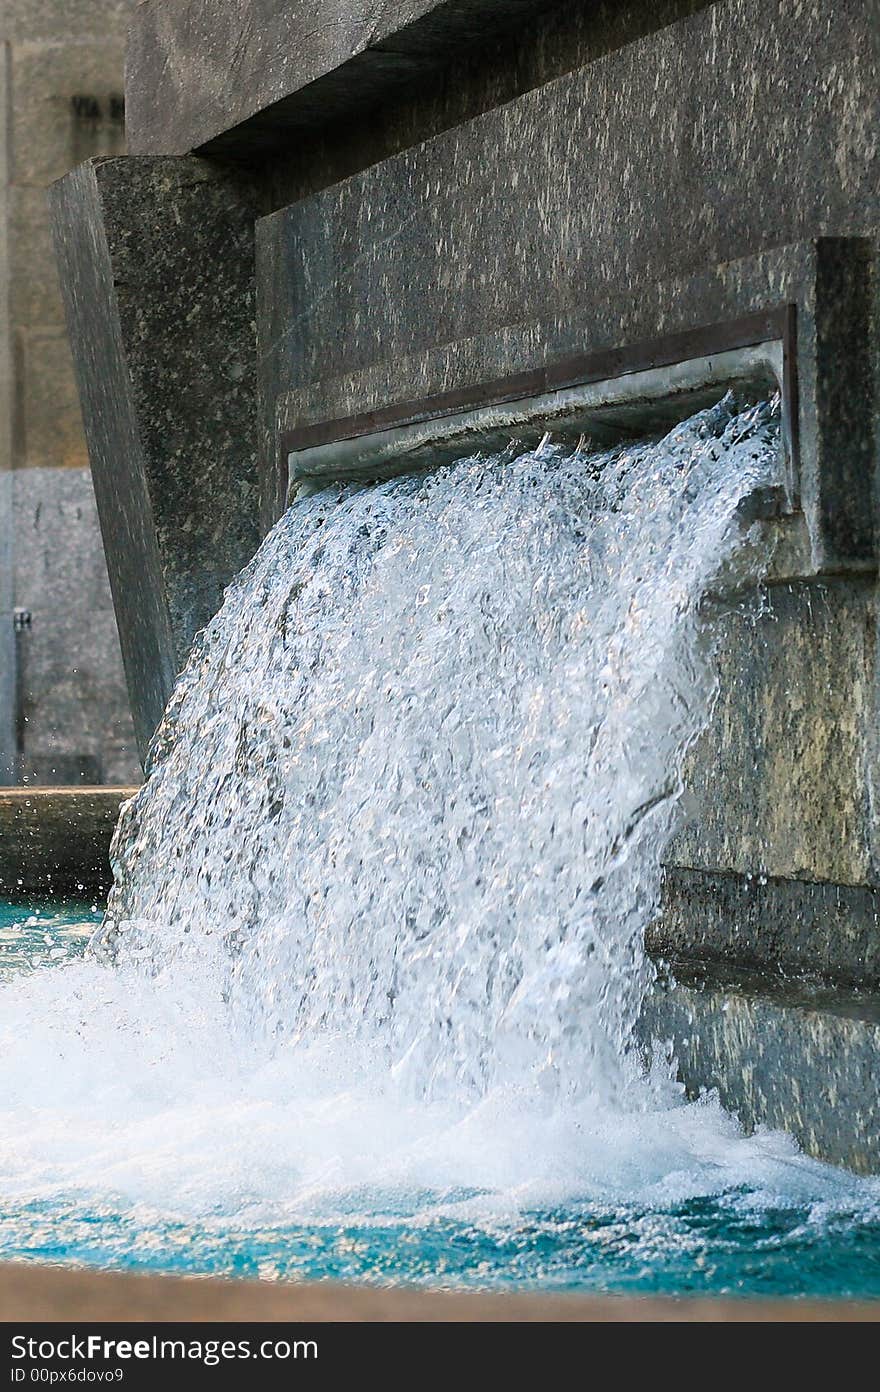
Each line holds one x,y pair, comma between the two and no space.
414,787
363,1003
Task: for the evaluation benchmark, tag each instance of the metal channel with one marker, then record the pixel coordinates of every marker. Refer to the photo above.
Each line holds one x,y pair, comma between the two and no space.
606,396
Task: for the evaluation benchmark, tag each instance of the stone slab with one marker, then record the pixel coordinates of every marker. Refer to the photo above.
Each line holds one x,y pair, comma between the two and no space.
776,866
157,268
31,1292
239,76
788,1059
652,161
57,839
782,780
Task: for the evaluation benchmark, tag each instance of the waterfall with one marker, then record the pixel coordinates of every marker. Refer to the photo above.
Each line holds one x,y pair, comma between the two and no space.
414,787
364,1002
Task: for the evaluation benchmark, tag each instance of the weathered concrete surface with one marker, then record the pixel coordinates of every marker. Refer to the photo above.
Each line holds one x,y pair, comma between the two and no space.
75,715
798,1062
29,1292
57,839
157,266
61,92
782,781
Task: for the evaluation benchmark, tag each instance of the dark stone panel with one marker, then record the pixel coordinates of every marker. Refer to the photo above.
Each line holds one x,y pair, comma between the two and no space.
846,391
158,272
800,1061
589,214
57,839
769,924
369,295
664,158
181,56
121,491
627,331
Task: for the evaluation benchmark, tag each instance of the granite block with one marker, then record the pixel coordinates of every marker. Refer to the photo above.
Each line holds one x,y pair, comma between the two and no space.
355,315
653,162
781,927
157,267
781,782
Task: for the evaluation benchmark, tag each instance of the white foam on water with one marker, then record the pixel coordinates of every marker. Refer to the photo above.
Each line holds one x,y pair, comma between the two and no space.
378,924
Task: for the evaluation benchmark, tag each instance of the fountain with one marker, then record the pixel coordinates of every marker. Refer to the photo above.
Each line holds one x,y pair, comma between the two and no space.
523,785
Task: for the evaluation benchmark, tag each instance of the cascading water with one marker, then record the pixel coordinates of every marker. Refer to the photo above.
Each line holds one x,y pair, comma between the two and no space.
373,963
417,780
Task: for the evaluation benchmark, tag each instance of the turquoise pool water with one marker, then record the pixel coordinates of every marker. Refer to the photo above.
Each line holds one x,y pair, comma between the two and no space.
35,934
776,1224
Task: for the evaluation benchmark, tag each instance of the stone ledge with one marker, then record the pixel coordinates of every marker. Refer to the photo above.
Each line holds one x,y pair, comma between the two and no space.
769,924
296,65
57,839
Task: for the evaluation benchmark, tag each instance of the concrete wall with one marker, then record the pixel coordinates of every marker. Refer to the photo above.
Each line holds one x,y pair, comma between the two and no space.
61,75
7,637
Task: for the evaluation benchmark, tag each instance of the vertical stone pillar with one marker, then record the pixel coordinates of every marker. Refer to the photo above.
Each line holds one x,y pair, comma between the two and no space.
157,264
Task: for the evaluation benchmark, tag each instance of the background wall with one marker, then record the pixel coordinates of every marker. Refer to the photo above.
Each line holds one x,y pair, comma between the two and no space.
64,714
